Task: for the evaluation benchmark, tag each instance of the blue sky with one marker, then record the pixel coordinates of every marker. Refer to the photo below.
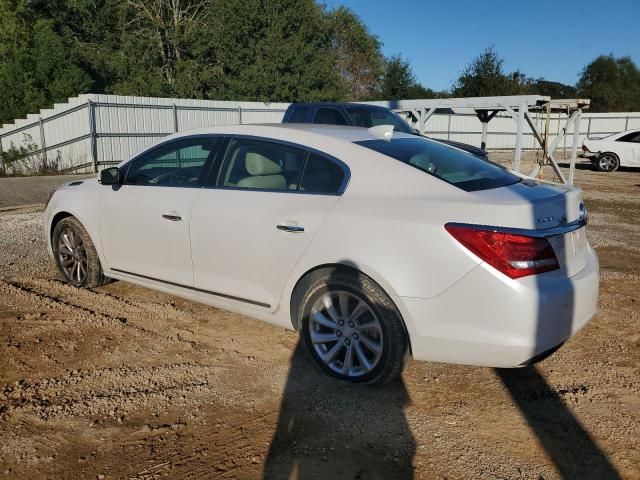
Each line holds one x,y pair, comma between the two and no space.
551,39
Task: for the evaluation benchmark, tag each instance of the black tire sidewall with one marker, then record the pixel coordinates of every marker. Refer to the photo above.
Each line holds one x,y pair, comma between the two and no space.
94,270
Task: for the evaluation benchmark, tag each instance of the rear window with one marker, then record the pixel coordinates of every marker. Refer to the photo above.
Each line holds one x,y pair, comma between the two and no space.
371,117
454,166
329,116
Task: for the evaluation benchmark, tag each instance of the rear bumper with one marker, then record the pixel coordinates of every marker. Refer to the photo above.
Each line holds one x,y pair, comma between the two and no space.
488,319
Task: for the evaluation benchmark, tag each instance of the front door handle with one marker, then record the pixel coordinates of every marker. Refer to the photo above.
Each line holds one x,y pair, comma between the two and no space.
290,228
172,217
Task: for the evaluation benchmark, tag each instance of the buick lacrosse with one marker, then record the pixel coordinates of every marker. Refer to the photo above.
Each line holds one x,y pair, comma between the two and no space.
374,245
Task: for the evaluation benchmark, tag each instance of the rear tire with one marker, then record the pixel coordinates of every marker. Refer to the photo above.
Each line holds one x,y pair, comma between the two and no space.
350,326
607,162
75,255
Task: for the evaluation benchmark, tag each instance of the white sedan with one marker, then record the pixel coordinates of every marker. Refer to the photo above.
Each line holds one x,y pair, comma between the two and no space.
610,152
373,245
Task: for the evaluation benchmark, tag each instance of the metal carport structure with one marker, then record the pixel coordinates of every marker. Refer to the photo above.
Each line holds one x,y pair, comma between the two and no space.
517,106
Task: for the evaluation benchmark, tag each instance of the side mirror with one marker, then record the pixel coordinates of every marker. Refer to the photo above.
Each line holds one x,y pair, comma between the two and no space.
110,176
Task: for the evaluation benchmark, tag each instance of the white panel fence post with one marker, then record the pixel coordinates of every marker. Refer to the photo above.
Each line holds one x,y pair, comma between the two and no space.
92,135
2,167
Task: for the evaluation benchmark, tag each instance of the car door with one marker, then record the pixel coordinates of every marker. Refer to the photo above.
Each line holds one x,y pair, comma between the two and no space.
268,203
144,222
634,143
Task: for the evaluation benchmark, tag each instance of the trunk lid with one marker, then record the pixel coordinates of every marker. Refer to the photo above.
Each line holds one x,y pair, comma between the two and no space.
540,206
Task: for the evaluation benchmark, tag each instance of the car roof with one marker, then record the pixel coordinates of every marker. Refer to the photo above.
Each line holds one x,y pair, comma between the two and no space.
337,104
279,130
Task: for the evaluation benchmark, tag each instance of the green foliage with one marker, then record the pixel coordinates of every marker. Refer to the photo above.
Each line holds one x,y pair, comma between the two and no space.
399,82
359,59
552,89
26,159
39,64
484,77
612,84
266,50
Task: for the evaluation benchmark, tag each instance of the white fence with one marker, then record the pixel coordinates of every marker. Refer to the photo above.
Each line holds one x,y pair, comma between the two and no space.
90,131
96,130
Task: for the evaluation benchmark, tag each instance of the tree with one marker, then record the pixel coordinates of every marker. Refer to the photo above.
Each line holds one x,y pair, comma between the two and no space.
612,84
399,81
272,50
551,89
359,59
484,77
38,62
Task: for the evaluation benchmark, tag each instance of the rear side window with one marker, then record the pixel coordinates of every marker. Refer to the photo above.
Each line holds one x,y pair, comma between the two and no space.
176,164
454,166
321,176
329,116
255,164
298,115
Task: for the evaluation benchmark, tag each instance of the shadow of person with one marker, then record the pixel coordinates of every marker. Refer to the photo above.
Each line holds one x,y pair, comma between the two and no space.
330,429
570,447
567,443
333,429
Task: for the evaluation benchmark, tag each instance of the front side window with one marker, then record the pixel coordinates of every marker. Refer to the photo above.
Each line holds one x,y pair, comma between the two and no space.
329,116
263,165
176,164
454,166
371,117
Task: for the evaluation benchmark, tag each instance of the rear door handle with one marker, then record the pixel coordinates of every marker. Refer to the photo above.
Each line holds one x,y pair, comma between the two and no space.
172,217
290,228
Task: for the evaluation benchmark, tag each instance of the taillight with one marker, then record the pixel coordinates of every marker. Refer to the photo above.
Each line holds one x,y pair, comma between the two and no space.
514,255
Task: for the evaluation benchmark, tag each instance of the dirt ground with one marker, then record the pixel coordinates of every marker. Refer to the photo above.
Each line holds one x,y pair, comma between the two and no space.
124,382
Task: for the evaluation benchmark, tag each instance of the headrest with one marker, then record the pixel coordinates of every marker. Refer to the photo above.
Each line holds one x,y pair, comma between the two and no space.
257,164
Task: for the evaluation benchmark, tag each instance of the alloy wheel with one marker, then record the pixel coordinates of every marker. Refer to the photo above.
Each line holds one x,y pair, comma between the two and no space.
607,162
346,333
72,255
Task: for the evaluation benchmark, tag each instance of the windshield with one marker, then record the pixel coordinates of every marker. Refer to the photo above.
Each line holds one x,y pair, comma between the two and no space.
368,117
454,166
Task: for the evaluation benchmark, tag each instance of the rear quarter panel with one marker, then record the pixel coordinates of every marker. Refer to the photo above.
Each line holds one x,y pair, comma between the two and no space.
389,224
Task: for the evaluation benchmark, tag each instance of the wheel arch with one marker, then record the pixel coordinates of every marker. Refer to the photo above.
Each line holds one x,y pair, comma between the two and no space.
67,213
61,215
296,293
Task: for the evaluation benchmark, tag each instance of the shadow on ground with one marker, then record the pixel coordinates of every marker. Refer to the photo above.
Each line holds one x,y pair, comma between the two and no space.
330,429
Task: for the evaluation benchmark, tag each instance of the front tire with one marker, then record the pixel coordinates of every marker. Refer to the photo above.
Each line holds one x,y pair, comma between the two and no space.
351,328
75,254
607,162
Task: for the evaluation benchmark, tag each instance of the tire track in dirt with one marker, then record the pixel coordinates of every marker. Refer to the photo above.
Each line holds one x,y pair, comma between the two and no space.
86,306
111,392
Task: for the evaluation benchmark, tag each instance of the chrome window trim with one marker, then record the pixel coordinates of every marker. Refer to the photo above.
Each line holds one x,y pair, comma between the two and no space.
208,183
